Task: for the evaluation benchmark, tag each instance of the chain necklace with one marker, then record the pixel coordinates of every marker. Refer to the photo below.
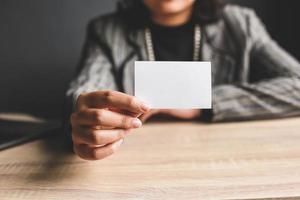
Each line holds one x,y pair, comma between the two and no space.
197,43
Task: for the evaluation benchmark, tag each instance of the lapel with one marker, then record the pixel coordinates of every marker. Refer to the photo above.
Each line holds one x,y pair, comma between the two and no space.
136,39
217,48
136,42
210,40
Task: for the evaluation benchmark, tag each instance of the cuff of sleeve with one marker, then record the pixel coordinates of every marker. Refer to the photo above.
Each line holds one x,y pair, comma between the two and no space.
206,115
74,103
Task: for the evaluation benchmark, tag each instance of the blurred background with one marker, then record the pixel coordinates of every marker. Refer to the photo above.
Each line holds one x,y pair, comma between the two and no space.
40,44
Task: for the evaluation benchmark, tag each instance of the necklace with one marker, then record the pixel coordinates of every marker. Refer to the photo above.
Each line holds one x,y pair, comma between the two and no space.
150,49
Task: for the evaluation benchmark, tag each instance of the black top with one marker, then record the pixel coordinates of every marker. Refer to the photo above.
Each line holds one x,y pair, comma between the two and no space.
173,43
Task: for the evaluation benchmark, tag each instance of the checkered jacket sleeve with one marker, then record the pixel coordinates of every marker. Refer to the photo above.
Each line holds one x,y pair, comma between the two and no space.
273,97
95,71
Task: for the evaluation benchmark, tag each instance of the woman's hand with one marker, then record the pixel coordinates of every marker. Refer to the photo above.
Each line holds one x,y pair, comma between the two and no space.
180,114
101,121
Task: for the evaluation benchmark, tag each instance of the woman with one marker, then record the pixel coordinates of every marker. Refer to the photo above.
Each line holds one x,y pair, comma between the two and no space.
253,77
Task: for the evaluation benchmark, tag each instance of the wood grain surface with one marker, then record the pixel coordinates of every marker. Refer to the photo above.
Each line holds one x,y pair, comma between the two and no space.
251,160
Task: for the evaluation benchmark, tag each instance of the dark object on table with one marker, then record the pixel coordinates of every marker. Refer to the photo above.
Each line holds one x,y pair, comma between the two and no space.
13,133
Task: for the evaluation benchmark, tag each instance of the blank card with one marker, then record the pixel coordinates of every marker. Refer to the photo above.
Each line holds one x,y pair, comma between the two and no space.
174,85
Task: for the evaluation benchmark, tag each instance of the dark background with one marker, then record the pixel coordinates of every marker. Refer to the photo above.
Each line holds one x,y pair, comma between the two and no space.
40,43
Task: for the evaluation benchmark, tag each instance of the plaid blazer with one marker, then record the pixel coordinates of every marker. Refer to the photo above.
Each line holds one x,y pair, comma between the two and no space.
253,77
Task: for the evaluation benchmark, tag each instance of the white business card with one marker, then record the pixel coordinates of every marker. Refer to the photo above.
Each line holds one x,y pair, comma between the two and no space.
174,85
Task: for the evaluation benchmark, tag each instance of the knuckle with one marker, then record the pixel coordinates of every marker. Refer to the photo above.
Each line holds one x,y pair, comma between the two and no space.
108,95
73,118
126,122
94,138
80,114
96,154
79,152
80,101
74,138
98,115
80,98
85,153
132,102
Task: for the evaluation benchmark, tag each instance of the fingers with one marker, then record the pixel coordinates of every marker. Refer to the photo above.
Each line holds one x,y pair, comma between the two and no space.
183,114
96,153
104,118
148,115
85,135
113,99
145,117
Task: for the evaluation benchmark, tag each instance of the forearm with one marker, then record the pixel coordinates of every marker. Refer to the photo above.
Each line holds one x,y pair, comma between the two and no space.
274,98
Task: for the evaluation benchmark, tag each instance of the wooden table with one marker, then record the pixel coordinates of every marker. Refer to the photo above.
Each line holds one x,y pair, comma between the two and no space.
164,161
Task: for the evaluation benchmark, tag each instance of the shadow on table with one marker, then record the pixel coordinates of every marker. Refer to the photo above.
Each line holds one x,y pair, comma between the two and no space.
58,157
55,153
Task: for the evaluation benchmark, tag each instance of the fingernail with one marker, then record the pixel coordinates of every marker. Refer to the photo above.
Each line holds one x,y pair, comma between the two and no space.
136,123
145,107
